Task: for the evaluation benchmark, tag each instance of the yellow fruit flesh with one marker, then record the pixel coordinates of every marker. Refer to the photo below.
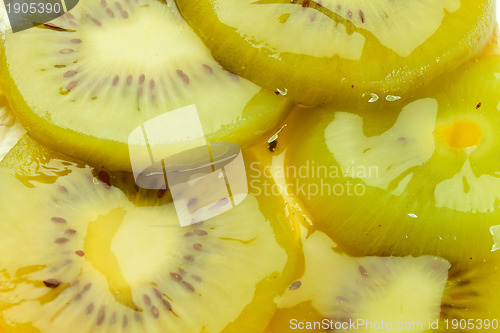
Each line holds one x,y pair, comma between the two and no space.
461,134
98,251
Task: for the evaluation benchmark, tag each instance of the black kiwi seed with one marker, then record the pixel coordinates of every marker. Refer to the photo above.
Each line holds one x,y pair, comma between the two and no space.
58,220
155,312
196,278
188,285
51,283
183,76
200,232
362,16
363,271
89,309
104,177
101,317
61,240
272,146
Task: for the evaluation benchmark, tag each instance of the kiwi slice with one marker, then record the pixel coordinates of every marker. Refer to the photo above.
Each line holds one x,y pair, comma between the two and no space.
89,257
377,290
405,177
91,78
405,294
316,51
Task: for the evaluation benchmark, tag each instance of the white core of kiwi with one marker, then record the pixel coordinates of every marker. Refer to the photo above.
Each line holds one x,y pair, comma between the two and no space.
383,159
470,192
162,277
392,289
399,25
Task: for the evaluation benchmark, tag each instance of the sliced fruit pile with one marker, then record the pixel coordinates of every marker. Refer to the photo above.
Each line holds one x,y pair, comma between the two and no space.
377,212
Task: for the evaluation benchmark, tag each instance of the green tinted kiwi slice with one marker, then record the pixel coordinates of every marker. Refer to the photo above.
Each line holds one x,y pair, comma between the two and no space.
87,256
322,50
405,177
405,294
86,80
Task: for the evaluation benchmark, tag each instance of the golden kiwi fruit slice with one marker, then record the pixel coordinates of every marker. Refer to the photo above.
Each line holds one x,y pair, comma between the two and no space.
94,75
88,257
373,294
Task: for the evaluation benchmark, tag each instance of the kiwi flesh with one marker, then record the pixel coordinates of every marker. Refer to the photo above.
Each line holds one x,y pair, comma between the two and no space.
370,294
89,257
86,80
405,177
317,51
